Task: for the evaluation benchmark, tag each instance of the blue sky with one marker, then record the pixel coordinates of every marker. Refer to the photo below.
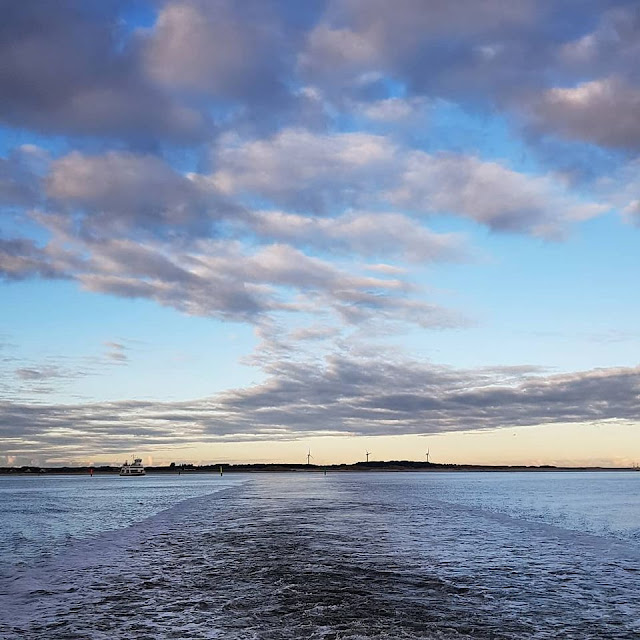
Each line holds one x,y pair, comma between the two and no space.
230,231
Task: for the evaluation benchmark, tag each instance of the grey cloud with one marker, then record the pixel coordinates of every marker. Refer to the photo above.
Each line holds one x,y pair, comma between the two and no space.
88,70
117,257
485,55
303,170
620,188
364,34
489,193
359,307
385,398
228,49
119,191
70,68
32,380
42,373
25,378
238,58
466,50
284,265
612,47
217,297
212,280
20,179
116,352
195,283
371,171
388,269
603,111
402,113
21,258
366,233
354,298
411,18
111,202
78,68
218,278
349,394
314,333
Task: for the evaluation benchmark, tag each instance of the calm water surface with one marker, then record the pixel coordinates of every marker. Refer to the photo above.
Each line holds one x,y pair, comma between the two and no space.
43,514
351,555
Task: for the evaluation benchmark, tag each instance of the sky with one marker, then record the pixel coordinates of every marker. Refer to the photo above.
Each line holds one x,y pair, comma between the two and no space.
242,231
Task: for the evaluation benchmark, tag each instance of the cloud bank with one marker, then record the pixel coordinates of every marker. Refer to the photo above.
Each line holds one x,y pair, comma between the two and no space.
346,395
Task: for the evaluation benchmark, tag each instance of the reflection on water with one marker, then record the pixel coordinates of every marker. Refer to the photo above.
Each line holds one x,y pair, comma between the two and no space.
353,556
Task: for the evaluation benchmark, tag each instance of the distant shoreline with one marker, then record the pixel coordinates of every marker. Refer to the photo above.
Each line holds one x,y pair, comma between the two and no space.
391,466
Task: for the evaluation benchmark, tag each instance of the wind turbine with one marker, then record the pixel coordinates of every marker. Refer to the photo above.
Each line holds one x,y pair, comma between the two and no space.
368,454
427,454
309,456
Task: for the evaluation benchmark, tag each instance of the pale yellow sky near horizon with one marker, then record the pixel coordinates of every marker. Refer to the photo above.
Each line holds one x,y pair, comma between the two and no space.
613,443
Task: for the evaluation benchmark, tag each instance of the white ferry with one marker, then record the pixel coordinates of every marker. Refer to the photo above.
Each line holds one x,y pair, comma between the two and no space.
134,469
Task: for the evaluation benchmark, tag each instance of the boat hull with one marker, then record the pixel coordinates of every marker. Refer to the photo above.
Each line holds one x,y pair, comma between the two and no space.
136,468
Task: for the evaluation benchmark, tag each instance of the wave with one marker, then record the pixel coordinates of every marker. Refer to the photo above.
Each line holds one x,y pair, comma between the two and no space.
338,557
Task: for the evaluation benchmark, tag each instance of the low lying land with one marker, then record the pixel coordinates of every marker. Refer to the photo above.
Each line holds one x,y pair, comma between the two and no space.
391,465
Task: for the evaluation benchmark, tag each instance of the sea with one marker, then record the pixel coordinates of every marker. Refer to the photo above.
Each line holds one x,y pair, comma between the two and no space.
346,555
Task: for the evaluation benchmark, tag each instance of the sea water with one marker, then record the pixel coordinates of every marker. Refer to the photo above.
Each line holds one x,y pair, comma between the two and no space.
304,555
40,515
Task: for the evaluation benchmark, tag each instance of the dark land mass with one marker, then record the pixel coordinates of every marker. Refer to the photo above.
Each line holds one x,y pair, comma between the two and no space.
390,465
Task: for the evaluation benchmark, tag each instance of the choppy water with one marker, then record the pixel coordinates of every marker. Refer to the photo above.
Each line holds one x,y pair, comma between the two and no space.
359,555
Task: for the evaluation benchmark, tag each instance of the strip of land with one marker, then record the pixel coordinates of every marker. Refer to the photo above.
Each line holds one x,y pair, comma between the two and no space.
389,465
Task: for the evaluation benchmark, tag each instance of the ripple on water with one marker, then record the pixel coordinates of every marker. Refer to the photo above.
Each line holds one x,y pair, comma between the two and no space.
341,558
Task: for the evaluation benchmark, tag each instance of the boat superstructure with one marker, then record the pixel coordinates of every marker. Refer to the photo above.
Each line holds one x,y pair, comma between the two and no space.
136,468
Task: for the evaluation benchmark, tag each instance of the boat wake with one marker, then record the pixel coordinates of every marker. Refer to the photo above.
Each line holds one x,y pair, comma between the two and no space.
287,557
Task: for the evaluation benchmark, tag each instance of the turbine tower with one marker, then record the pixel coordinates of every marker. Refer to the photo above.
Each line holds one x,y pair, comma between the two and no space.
368,454
427,454
309,456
